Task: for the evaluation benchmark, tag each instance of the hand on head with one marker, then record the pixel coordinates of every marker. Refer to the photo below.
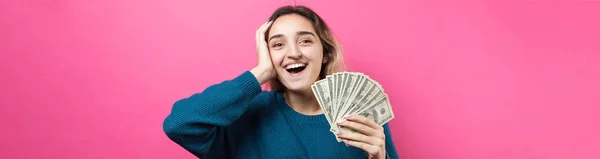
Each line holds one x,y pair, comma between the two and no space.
264,72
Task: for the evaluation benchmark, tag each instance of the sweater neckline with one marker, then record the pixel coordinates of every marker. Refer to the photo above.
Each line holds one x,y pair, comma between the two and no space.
297,117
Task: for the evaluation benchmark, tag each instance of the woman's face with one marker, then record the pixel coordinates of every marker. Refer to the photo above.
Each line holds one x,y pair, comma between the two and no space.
296,52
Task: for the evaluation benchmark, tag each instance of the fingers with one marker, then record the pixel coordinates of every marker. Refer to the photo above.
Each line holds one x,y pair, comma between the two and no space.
369,131
370,149
371,137
366,121
260,33
265,26
362,125
359,138
356,127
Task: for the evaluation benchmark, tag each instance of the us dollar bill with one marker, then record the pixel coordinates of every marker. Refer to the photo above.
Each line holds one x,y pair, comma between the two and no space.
321,91
381,111
358,88
375,93
349,85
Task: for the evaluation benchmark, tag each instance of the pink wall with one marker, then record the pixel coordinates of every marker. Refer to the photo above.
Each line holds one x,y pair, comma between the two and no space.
467,80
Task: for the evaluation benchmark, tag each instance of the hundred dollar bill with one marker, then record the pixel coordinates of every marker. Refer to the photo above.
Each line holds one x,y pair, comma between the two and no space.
321,91
350,80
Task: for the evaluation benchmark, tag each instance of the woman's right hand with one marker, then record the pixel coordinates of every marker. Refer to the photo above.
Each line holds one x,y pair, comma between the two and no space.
264,72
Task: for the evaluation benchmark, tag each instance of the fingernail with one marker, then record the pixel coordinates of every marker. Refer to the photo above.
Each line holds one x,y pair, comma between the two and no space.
346,116
340,122
338,133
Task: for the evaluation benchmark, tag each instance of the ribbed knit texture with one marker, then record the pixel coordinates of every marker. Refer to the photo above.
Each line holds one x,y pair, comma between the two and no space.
236,119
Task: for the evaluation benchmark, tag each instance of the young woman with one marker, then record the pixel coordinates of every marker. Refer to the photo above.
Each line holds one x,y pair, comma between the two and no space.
237,119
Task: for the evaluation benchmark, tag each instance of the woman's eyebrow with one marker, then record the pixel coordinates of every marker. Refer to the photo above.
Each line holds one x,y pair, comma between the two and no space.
298,33
275,36
305,33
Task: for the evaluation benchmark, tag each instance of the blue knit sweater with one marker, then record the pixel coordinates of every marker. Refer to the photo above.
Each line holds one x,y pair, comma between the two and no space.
237,119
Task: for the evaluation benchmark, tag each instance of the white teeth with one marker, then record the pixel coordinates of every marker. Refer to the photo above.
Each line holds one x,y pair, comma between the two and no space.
291,66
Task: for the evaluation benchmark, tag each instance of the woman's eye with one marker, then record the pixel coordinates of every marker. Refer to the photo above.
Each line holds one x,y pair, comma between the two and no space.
277,45
306,41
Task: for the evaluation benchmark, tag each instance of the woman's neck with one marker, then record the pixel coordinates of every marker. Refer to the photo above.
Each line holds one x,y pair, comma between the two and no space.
303,102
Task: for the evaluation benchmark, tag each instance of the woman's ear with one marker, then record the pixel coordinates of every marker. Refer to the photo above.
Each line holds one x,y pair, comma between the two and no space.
326,58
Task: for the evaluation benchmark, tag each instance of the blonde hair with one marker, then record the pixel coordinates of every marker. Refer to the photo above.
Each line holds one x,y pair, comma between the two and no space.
332,51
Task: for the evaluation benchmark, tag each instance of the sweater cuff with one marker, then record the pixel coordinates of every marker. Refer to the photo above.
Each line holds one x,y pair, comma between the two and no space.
248,84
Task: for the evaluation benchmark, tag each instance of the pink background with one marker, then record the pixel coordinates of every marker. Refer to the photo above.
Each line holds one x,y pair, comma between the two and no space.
467,80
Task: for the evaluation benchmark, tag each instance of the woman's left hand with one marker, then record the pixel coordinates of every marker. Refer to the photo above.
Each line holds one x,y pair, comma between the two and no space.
371,137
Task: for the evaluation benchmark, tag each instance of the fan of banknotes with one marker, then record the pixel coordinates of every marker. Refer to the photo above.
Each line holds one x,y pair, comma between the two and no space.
344,93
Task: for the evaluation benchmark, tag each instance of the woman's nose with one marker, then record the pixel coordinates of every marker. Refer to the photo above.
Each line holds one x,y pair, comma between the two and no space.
295,52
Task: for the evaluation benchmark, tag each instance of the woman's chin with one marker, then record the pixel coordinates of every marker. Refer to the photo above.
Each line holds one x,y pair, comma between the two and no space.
298,87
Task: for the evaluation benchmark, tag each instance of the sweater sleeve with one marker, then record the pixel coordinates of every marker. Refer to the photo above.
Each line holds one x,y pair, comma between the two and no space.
390,148
198,123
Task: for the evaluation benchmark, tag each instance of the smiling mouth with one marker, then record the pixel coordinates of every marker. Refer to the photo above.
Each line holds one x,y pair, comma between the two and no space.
295,68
